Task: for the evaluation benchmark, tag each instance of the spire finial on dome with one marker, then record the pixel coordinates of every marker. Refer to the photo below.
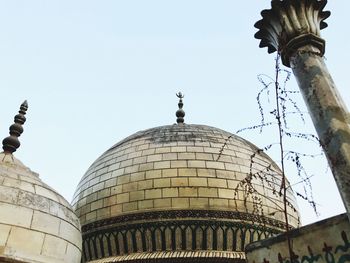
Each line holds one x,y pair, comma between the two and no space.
180,114
11,143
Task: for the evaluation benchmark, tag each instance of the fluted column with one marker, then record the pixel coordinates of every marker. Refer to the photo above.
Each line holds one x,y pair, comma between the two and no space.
292,27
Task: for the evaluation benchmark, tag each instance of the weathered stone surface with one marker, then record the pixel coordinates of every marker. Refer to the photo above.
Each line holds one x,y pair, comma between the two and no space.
12,214
45,223
54,247
5,231
18,245
34,219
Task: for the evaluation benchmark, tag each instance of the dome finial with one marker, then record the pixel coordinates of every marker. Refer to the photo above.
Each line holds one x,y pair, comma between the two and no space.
11,143
180,114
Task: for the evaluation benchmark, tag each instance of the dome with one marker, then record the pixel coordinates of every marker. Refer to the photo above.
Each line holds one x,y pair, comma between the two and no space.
177,193
36,223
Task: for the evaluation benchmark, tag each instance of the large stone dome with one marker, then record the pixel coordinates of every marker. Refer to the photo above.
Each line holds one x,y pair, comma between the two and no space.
179,192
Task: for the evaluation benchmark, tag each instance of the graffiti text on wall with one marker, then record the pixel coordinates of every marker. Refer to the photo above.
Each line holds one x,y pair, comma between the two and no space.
329,254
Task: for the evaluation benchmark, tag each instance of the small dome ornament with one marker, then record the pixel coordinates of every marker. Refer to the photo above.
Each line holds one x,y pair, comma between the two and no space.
180,113
11,143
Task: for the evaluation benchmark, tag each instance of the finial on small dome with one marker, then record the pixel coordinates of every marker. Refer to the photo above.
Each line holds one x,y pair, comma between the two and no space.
180,114
11,143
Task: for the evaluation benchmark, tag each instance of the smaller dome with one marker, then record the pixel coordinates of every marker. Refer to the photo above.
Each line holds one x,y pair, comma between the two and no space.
36,223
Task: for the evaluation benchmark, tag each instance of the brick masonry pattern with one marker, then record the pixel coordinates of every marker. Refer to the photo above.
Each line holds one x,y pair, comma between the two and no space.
177,167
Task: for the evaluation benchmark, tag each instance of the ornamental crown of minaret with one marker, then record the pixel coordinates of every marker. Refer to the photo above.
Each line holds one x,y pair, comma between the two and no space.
291,24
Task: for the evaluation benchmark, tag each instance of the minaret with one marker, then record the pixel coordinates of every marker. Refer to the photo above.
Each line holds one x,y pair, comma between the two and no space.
292,27
180,113
11,143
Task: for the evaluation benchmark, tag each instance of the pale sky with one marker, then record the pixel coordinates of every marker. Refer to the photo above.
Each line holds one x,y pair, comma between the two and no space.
94,72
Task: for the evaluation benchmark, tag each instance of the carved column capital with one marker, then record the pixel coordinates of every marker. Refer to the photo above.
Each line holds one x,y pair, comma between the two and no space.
292,24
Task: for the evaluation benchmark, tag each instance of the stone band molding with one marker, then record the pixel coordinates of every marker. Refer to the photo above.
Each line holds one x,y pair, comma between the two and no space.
173,214
168,231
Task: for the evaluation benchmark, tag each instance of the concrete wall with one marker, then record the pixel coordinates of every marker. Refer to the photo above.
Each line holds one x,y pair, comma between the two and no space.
324,241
